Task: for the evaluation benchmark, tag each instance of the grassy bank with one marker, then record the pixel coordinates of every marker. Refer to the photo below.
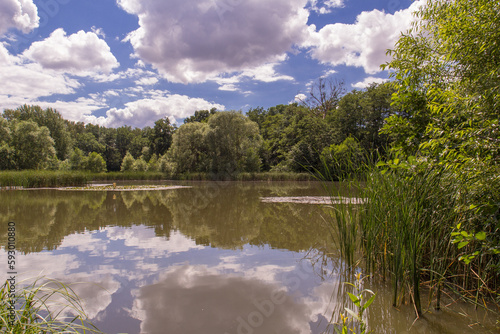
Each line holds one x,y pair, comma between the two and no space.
425,226
44,178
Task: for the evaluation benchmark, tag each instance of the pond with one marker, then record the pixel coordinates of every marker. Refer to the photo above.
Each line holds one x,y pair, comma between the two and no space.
212,257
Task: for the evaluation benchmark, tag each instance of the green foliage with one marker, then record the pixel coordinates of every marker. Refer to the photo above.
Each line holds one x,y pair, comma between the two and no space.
140,165
200,116
233,141
189,148
49,118
6,151
95,163
345,160
228,143
166,166
404,222
127,163
358,326
161,137
153,164
77,160
42,178
33,146
33,315
447,80
88,143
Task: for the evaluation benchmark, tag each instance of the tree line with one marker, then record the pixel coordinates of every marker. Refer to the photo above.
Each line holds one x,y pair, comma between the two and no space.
293,138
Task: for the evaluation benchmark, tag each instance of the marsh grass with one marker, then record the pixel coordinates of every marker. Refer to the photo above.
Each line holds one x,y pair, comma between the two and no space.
42,307
42,178
402,231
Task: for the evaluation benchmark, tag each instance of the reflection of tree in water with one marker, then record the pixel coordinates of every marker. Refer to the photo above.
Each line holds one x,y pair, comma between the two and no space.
225,215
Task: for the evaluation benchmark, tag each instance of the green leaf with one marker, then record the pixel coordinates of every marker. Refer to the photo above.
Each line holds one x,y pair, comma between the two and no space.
354,299
462,244
368,303
481,235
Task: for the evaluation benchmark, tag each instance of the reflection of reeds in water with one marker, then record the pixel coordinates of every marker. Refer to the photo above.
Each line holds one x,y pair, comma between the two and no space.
48,307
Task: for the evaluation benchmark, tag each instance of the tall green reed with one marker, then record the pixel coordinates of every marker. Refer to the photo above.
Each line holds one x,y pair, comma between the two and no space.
403,226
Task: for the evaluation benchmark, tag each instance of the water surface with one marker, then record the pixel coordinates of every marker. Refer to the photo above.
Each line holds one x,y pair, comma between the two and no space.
213,258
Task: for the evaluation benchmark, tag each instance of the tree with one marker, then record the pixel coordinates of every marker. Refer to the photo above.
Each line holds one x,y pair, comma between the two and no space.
6,151
361,115
33,146
344,160
127,163
88,143
95,163
161,138
49,118
447,80
200,116
189,150
324,96
140,165
234,143
77,159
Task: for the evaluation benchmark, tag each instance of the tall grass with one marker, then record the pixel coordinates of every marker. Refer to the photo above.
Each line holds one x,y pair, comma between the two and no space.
404,226
49,307
42,178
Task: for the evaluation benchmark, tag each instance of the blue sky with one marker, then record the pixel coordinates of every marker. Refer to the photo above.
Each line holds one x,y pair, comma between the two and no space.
131,62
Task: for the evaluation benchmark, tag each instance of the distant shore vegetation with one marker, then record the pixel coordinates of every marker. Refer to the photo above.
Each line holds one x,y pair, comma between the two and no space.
284,140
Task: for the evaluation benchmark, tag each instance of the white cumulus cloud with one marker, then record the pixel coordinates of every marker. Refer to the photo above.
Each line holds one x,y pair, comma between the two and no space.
145,112
83,53
18,14
362,44
368,81
28,82
192,41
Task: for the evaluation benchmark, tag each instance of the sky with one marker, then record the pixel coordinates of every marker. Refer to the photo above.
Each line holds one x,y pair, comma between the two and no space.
132,62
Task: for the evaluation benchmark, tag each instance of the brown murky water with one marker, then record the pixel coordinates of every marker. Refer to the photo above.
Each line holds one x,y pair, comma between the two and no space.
212,258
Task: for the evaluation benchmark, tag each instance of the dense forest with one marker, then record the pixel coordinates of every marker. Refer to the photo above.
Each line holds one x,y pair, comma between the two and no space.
326,126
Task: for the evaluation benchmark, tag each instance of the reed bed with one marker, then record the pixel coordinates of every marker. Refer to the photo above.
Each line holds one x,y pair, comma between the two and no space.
405,229
42,179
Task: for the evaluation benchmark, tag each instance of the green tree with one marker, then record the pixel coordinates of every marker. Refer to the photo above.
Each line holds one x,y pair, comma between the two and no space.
95,163
200,116
189,150
50,118
447,78
153,164
161,138
77,159
127,162
32,144
361,115
140,165
234,143
344,160
6,151
88,143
